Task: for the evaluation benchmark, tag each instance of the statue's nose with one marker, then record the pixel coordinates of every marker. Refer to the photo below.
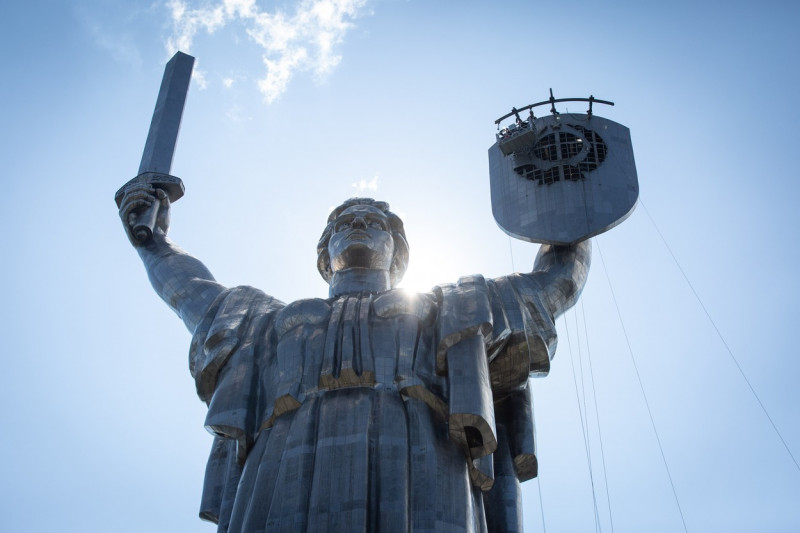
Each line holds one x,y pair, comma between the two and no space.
359,223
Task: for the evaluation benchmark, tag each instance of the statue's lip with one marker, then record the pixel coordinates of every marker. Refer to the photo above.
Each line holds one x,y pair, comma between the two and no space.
358,235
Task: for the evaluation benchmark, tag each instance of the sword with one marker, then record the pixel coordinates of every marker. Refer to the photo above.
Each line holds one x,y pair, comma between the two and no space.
160,145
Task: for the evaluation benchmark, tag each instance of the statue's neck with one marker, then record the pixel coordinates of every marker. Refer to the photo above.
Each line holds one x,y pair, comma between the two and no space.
355,280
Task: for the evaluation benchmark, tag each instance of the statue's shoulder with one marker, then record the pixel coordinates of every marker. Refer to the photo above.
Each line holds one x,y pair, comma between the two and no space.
246,298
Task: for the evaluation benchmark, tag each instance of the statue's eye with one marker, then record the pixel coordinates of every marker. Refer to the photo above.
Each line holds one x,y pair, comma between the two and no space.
344,224
377,223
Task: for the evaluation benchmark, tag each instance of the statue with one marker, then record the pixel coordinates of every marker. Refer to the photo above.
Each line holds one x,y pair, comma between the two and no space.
374,409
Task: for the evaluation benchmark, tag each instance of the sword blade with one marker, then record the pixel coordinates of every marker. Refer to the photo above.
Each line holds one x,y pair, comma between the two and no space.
160,145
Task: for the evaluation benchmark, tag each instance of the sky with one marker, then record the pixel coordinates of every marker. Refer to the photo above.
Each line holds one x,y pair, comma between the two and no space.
296,106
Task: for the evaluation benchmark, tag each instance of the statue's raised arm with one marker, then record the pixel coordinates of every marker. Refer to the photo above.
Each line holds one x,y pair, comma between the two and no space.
183,282
561,272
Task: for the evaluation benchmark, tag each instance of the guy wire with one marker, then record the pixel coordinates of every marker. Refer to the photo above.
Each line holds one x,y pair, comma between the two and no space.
597,415
538,473
721,338
641,387
584,427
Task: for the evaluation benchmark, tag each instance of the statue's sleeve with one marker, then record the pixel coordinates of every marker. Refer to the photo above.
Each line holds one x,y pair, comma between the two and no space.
523,339
514,461
464,330
230,357
522,343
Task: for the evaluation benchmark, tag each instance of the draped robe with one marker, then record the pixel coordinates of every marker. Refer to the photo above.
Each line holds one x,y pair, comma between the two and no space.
387,412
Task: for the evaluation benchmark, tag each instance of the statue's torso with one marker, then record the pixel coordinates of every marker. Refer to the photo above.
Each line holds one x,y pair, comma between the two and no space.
352,414
355,425
382,341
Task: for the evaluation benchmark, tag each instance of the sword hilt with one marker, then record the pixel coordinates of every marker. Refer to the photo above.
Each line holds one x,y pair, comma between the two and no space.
146,220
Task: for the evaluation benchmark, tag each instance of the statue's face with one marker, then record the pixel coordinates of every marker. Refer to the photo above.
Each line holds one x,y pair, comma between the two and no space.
361,239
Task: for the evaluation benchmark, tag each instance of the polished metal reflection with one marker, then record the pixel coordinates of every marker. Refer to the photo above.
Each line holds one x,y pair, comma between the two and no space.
373,409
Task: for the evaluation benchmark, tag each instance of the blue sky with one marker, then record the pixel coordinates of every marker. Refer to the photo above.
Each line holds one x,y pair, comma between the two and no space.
396,99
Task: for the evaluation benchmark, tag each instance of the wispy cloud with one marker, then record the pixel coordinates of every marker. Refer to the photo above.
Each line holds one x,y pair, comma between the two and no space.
119,43
199,76
303,41
236,113
362,186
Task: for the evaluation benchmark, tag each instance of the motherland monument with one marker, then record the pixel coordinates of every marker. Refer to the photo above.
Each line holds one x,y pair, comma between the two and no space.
374,409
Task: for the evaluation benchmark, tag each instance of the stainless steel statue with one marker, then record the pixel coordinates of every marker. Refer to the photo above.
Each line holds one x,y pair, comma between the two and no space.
373,409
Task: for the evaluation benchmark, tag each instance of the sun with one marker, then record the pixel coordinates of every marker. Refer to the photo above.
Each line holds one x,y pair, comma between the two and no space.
430,266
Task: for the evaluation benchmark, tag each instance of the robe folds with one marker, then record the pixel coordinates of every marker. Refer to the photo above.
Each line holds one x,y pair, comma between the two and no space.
388,412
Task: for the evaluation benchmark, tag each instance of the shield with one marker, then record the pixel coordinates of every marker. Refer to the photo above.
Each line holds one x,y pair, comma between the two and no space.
562,178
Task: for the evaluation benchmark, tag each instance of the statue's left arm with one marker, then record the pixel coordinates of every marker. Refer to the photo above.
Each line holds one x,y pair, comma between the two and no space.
561,272
525,307
522,343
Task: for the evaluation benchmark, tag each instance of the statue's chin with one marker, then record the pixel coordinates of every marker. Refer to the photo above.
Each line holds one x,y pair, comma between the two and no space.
360,255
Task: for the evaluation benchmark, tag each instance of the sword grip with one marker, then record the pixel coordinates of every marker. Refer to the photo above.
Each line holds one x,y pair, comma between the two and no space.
146,220
146,223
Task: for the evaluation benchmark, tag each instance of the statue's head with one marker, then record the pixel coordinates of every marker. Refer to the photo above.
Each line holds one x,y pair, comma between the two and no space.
363,233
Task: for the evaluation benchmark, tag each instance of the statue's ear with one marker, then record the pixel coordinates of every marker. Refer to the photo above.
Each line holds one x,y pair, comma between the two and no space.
323,257
324,266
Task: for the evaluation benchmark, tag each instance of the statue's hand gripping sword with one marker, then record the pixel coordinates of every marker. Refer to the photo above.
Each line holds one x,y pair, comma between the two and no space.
160,145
